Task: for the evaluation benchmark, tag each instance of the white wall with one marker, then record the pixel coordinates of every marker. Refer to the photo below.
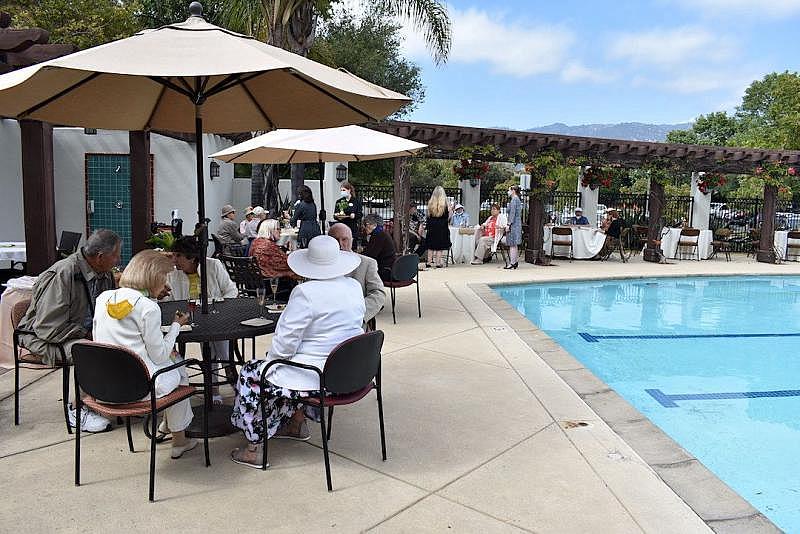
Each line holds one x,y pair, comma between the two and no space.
174,183
12,227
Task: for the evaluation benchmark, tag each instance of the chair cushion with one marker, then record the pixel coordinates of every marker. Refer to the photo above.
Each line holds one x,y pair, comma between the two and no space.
338,400
399,283
140,407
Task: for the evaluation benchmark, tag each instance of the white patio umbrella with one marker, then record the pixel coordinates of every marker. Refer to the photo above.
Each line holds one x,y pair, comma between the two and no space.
345,143
191,77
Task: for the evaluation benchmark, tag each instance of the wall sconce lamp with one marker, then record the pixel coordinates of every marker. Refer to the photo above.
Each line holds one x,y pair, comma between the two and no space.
214,170
341,173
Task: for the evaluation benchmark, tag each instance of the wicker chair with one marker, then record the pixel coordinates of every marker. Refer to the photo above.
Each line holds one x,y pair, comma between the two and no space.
721,243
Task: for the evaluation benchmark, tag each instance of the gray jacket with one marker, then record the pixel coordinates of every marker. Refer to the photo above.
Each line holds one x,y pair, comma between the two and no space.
61,306
366,274
228,232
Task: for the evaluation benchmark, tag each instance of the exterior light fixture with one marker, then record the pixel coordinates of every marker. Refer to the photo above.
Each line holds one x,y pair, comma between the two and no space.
341,173
214,170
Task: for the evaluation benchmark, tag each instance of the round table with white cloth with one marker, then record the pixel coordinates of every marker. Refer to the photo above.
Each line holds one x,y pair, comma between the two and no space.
13,251
671,236
780,243
586,242
288,238
462,240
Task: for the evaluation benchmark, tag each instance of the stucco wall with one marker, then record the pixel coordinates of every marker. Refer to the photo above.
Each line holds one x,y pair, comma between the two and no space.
174,166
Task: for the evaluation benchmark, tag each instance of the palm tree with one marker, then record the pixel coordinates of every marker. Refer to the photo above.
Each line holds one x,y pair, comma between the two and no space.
292,25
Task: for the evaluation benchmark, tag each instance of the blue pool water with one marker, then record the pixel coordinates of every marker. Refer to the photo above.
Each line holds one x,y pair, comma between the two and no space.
714,362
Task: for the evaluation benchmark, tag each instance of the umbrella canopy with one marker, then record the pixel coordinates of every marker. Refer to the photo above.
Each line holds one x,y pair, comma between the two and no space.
346,143
154,79
191,77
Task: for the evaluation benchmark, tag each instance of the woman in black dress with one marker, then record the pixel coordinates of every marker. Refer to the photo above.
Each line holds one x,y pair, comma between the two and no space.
305,211
349,211
437,235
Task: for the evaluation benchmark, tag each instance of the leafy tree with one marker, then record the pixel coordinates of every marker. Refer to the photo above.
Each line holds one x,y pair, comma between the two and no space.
370,48
83,23
157,13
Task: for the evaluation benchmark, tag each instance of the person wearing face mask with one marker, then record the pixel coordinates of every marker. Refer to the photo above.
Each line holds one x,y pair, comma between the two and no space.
348,210
514,236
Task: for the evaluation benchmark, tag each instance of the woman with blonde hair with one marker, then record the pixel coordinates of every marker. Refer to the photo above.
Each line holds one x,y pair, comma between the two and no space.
129,317
437,233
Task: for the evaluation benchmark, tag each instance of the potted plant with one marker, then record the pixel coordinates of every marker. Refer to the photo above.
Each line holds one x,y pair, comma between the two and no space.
594,177
161,241
710,181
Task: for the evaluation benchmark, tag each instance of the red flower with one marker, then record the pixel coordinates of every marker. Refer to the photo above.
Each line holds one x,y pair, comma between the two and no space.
792,171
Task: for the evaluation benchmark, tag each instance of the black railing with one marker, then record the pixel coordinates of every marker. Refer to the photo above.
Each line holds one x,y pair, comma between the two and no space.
559,206
380,198
632,207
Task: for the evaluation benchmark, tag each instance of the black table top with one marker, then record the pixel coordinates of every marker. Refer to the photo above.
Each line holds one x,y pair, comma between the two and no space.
224,325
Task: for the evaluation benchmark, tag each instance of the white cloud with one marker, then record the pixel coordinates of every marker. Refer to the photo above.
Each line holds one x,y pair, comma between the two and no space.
771,8
512,48
575,71
670,47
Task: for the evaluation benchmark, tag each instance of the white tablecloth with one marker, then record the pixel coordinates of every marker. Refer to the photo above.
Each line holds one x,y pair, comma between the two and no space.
288,238
13,251
463,245
586,242
671,236
781,241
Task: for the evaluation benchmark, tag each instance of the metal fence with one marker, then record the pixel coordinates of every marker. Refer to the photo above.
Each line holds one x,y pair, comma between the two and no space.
380,198
559,206
632,208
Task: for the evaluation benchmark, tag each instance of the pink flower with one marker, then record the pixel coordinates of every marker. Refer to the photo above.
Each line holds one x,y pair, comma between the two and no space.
792,171
759,170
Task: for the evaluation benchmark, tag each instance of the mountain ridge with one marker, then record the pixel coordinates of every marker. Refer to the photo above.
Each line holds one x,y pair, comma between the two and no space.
630,131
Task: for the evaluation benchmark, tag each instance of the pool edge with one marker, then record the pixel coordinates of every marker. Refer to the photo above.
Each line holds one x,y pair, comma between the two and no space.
716,503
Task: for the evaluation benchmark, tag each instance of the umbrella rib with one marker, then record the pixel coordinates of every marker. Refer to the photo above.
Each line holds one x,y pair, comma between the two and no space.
178,89
155,107
333,96
230,81
238,156
257,105
58,95
290,157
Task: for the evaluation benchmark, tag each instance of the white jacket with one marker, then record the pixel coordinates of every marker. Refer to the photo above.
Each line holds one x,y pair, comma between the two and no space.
320,314
220,284
138,331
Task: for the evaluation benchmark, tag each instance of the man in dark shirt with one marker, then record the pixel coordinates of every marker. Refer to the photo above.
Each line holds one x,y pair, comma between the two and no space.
579,219
380,245
615,227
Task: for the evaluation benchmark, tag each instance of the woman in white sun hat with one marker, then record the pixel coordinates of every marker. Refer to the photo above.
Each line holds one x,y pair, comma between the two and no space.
321,313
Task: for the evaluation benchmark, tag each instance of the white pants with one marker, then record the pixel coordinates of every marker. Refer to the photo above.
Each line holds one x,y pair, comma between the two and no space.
178,416
484,244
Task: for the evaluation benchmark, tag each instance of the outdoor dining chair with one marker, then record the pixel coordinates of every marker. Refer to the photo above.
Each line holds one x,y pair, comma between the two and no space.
689,237
721,243
68,243
405,272
792,244
352,370
245,273
616,244
117,383
34,361
639,238
561,236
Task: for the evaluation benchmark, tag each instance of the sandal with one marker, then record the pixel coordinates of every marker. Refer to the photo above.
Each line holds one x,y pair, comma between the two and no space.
216,400
242,456
163,434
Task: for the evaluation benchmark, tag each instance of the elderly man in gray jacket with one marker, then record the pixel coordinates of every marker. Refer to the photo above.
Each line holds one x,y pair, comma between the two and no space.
365,274
62,306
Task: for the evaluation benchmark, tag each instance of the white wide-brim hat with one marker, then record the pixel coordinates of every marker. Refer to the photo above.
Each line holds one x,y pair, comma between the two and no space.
323,260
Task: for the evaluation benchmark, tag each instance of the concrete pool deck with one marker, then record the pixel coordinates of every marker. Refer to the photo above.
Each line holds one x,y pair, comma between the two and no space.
490,427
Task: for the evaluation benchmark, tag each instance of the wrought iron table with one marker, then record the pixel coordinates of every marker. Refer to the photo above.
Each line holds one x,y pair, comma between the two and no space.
224,325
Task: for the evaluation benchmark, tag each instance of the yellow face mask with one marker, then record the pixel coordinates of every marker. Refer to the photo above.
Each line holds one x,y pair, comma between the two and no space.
119,310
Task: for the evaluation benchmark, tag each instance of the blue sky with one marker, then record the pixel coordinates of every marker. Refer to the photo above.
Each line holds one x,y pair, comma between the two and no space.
521,64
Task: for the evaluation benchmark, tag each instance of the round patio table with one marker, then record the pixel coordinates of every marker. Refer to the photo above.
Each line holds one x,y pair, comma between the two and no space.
225,325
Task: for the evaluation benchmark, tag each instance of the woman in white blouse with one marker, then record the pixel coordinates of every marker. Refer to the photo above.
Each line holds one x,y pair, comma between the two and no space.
128,317
321,313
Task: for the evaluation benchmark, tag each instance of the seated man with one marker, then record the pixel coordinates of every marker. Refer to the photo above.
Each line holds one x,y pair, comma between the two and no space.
228,230
416,231
380,246
365,274
579,219
460,217
62,307
615,224
489,229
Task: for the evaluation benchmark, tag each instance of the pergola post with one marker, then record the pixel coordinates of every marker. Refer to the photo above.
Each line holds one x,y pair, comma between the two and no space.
38,195
401,200
535,251
653,252
141,189
766,252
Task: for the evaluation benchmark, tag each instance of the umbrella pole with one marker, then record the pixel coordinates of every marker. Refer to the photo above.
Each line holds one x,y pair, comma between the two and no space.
201,207
322,214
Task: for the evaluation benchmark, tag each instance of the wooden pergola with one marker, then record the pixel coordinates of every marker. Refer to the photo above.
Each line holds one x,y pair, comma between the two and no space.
445,140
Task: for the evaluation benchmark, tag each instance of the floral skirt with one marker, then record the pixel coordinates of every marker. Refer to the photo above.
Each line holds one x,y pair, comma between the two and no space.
282,403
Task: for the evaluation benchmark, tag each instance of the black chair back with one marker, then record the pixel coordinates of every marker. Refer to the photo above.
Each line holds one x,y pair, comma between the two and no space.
405,267
245,273
353,364
219,250
110,373
68,243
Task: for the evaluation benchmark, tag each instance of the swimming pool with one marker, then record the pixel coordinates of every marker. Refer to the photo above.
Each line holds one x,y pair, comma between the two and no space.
713,361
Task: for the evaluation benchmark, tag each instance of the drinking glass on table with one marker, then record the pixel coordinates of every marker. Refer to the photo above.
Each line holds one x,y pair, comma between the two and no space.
261,298
193,303
273,284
